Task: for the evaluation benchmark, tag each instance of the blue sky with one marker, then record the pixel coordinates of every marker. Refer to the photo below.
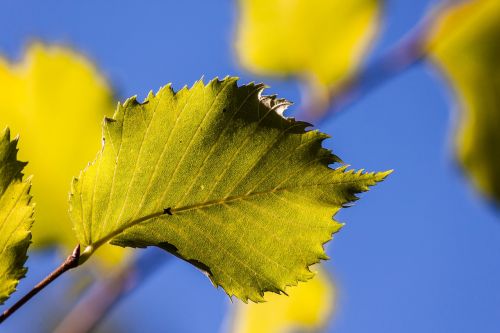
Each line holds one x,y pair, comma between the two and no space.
418,254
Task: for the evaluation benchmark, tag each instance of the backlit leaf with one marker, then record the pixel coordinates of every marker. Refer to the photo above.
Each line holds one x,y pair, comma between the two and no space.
16,211
307,309
321,41
216,175
54,96
466,46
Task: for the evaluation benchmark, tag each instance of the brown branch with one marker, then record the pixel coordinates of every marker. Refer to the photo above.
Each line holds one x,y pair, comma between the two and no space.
70,262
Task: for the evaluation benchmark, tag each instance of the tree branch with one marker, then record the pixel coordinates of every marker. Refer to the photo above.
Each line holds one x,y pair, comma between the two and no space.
70,262
406,53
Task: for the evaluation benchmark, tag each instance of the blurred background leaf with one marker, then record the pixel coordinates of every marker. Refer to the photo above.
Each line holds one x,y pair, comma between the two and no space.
465,45
56,100
308,308
321,41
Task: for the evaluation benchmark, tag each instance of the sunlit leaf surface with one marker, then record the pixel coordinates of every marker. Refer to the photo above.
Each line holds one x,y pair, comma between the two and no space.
56,100
16,211
307,309
216,175
466,46
322,41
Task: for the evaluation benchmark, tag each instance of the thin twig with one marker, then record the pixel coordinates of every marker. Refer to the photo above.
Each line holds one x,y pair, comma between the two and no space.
70,262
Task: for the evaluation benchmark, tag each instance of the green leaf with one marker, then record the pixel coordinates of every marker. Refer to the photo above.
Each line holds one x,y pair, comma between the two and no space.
16,211
306,309
55,95
216,175
465,44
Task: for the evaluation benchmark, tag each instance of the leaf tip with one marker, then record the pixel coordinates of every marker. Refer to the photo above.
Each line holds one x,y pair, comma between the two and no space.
131,101
383,174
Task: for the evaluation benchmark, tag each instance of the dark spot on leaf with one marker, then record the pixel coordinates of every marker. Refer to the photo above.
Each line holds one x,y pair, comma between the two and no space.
224,110
168,247
200,265
168,211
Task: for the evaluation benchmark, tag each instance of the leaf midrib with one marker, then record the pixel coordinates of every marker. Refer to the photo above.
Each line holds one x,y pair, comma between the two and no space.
205,204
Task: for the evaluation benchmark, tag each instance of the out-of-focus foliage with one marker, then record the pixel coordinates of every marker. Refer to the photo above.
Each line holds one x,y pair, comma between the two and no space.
307,309
55,99
322,41
465,44
16,211
216,175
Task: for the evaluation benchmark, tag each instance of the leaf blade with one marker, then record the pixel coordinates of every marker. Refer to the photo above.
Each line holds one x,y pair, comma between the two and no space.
16,211
203,169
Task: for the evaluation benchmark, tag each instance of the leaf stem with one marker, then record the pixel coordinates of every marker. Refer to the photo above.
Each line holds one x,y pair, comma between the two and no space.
70,262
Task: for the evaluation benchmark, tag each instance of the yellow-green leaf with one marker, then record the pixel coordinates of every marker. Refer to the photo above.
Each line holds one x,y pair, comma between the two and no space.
54,97
216,175
465,44
306,309
322,41
16,211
